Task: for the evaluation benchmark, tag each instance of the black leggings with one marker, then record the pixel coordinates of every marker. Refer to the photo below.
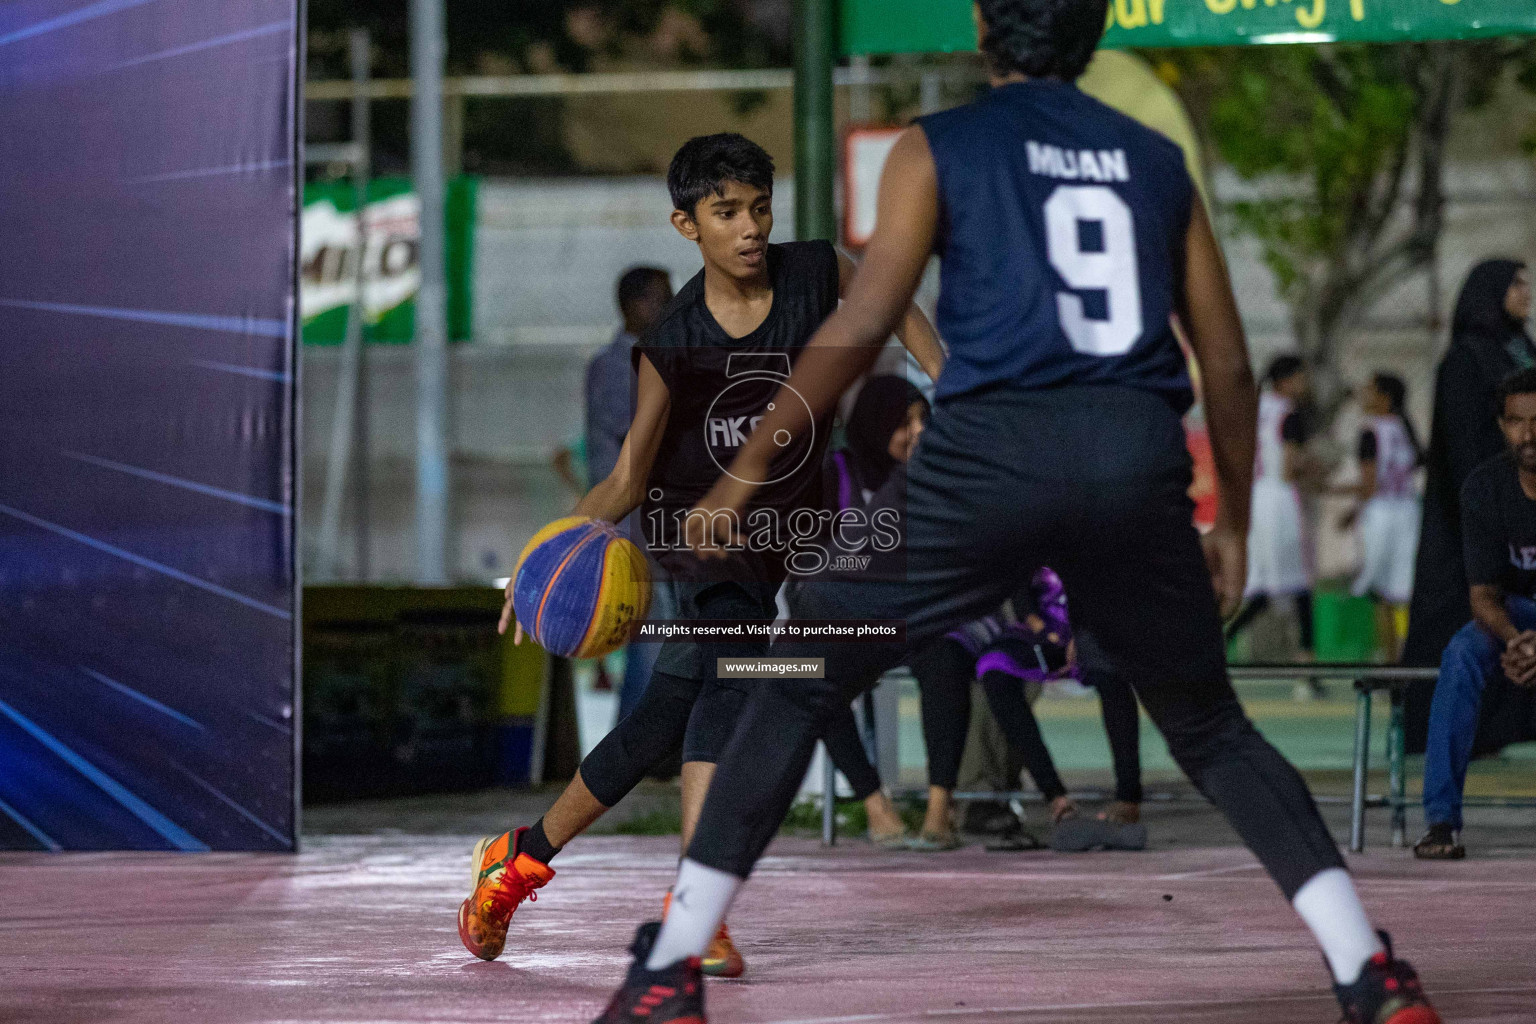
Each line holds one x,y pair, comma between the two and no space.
697,715
846,748
1107,475
1122,724
945,669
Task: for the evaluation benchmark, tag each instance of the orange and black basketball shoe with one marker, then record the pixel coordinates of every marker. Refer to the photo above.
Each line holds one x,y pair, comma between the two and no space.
501,878
1387,992
672,995
722,959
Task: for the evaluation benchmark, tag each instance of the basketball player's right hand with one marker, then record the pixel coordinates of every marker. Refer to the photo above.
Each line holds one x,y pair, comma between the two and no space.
1226,555
713,524
507,619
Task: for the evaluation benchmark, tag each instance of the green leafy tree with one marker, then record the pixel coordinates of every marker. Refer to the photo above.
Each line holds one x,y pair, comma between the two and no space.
1346,149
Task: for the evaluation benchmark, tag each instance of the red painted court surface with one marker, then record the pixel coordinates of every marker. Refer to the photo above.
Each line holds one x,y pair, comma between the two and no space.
362,929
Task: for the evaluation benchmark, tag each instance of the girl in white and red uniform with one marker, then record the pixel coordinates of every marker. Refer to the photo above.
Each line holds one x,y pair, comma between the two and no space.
1279,562
1388,517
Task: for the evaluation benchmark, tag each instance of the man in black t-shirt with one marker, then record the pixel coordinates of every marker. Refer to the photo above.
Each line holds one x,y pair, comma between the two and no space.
1498,521
707,372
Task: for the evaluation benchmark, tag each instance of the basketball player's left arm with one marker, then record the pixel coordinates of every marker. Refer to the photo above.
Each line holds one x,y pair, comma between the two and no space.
915,332
849,341
1208,309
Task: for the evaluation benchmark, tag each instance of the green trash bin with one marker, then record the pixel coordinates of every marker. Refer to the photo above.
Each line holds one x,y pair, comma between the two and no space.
1343,626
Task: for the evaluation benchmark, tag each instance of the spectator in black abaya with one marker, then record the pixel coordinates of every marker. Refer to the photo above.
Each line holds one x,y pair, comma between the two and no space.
882,431
1488,342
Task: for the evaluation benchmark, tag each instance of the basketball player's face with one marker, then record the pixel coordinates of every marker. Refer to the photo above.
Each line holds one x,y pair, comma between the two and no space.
732,229
1519,425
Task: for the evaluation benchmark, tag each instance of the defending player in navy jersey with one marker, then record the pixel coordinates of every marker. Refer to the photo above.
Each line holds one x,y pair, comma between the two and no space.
1069,235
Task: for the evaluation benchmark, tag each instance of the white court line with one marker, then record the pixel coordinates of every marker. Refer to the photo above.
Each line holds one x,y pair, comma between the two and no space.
1142,1004
1208,872
983,877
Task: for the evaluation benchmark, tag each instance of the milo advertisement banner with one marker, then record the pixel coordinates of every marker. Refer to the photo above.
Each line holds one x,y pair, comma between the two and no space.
391,260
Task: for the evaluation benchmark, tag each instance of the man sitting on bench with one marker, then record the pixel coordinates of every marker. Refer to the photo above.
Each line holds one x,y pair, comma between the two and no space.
1498,522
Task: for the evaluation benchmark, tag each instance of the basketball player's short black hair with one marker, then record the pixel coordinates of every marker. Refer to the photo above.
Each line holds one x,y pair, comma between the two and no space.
1042,38
1521,382
1284,368
706,163
1391,385
636,282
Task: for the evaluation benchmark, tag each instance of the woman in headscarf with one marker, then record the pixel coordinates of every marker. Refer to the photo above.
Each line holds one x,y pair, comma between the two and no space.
882,430
1027,639
1488,342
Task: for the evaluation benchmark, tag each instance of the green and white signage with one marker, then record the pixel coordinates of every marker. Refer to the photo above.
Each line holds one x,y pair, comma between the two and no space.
391,260
926,26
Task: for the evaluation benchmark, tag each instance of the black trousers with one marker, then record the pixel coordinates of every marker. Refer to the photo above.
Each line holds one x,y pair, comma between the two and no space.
1092,481
698,714
846,748
944,670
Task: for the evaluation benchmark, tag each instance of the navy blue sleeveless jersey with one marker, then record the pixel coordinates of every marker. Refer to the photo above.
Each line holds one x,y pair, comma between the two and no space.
1062,235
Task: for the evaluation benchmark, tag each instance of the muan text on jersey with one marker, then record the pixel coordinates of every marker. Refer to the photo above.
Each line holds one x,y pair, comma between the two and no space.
1077,164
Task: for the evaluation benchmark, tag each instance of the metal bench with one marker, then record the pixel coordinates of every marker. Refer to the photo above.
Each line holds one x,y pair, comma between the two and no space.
1368,679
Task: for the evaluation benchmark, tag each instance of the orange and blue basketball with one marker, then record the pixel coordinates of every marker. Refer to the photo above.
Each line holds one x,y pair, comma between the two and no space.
580,588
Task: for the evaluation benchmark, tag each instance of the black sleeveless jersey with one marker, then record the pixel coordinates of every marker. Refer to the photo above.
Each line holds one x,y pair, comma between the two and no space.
721,386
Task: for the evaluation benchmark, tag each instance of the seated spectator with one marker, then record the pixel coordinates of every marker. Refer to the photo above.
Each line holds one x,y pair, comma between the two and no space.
1009,653
882,432
1498,516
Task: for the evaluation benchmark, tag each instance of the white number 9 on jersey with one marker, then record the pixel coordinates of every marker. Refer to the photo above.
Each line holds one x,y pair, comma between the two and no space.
1109,267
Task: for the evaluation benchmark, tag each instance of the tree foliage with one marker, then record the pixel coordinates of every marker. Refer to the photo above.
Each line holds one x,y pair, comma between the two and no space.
1345,147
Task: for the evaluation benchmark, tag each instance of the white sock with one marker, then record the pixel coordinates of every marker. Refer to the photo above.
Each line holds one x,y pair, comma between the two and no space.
700,899
1330,906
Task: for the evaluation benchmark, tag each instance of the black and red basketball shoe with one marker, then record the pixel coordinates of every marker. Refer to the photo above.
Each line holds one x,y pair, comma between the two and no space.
672,995
1387,992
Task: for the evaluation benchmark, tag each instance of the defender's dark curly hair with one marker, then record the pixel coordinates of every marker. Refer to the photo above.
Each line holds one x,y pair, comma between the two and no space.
1521,382
705,163
1042,38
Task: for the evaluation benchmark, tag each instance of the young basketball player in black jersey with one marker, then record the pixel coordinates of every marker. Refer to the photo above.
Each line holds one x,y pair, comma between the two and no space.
1069,236
707,372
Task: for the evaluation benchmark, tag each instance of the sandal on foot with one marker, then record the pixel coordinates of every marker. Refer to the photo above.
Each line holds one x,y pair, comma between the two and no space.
1017,841
1441,842
934,842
